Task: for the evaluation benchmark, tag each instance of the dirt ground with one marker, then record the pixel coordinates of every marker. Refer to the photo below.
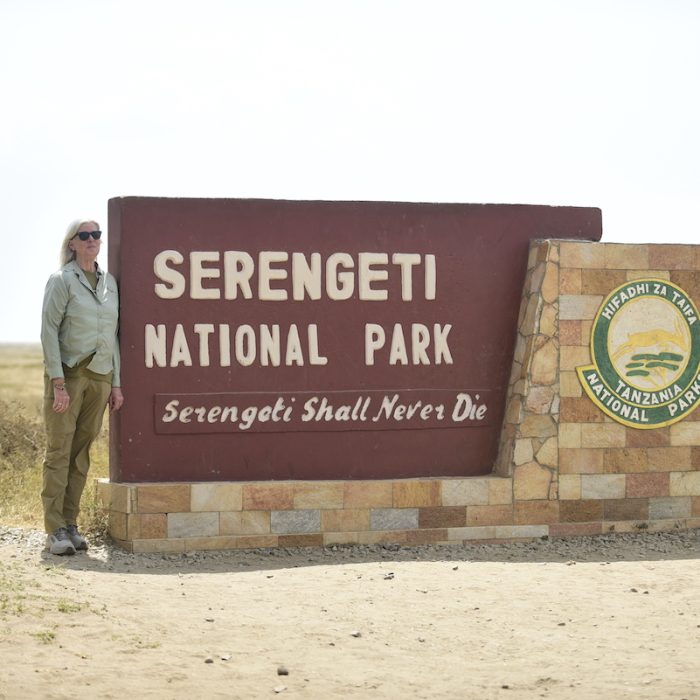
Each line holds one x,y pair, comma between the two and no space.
609,617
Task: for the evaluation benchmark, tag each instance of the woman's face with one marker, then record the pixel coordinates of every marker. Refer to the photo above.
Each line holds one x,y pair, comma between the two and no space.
90,247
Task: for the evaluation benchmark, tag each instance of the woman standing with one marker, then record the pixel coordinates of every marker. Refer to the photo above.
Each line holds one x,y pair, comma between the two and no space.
81,357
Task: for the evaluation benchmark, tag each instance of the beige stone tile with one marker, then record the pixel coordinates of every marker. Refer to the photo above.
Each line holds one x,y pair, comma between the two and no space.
685,484
599,486
200,544
601,281
516,372
632,275
536,512
147,526
671,257
580,461
553,255
247,522
523,451
538,426
320,494
117,525
465,492
625,256
569,487
103,491
480,516
268,496
514,410
570,333
531,482
520,387
569,435
540,399
580,410
367,494
521,346
548,454
569,281
416,493
500,534
543,368
648,485
548,320
500,491
685,433
603,435
579,307
256,541
550,283
117,497
625,508
586,327
160,546
442,516
669,459
301,540
536,276
515,532
193,525
579,254
163,498
628,460
573,356
471,533
352,520
569,384
662,508
216,496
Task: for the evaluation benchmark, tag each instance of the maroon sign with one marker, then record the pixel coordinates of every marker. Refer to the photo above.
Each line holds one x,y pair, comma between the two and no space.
318,340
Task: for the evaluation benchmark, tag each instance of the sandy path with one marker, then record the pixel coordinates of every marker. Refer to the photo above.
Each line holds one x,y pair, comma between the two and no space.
547,620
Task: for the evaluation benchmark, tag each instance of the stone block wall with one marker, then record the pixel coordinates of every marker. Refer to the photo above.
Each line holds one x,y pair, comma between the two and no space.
564,467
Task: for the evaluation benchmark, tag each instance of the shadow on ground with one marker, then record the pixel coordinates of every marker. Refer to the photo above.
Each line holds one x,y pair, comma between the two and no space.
104,556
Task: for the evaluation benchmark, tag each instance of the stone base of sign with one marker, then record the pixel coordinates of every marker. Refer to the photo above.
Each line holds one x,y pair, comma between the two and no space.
564,468
185,517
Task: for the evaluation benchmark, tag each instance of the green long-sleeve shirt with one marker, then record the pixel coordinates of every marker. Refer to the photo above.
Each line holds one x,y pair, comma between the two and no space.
77,322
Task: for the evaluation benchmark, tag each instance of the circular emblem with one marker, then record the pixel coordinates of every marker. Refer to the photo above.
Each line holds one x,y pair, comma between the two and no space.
645,347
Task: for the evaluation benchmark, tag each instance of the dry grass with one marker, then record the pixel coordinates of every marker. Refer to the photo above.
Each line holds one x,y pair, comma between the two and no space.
22,442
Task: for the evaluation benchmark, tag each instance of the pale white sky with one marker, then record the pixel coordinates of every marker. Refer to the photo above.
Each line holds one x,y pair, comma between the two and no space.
591,103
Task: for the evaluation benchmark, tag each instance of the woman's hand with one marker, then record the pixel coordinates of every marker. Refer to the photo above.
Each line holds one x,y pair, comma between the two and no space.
116,399
61,399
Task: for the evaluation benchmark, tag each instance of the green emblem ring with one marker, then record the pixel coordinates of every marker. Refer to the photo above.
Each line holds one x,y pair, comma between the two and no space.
645,348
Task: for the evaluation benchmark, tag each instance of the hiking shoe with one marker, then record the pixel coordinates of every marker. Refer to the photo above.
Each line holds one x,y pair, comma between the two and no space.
79,542
60,542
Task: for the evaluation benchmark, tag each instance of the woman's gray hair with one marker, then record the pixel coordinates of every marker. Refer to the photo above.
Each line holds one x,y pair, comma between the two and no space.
66,253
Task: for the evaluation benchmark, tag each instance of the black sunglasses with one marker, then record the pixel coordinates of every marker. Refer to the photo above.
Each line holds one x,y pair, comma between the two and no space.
84,235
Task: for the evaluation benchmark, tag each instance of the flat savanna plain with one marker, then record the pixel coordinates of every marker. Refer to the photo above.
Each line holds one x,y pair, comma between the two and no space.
613,616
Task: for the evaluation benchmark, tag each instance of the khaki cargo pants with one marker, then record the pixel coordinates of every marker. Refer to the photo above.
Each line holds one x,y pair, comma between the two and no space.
68,439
